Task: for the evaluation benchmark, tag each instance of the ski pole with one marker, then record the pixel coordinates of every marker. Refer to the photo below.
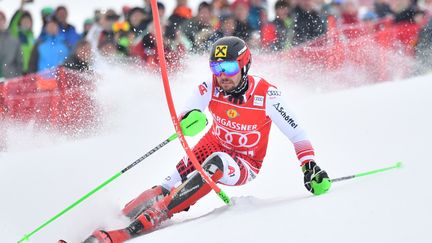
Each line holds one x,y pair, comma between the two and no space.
26,237
395,166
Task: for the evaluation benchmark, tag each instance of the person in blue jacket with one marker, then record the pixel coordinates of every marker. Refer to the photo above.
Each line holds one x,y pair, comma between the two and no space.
49,51
67,30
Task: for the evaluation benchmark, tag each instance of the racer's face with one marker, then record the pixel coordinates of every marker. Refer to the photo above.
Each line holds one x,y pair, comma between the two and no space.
228,83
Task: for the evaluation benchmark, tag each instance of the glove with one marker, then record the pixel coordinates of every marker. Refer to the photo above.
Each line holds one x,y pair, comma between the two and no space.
315,179
193,122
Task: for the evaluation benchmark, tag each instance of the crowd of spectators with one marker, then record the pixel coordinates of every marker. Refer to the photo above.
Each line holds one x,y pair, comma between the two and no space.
130,33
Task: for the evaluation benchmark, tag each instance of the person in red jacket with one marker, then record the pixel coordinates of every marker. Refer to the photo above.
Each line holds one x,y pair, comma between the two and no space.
232,152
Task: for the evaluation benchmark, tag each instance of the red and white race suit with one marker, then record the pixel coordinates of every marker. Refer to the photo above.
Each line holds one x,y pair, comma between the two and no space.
241,132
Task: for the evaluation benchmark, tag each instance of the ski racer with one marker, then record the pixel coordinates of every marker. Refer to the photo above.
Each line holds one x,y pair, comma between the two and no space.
243,108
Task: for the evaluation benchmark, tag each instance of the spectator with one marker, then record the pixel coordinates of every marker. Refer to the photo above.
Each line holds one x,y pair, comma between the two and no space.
240,9
257,12
226,28
68,31
220,7
136,18
146,23
20,27
50,51
80,59
88,23
404,11
148,16
101,28
10,52
181,14
308,23
45,12
382,9
199,29
146,48
284,25
123,36
105,28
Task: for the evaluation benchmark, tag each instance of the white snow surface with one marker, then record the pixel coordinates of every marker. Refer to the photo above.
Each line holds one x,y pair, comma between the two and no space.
352,130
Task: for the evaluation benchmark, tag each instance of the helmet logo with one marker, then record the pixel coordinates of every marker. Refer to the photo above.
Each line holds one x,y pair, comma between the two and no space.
221,51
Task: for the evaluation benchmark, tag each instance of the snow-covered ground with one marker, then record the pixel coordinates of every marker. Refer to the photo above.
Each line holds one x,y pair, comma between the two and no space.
352,130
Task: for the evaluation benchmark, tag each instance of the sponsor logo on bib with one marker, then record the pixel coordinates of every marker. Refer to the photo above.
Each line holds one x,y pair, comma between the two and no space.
258,100
232,113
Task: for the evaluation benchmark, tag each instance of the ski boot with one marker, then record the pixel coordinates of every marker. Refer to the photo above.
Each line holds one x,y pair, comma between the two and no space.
177,201
115,236
144,201
150,218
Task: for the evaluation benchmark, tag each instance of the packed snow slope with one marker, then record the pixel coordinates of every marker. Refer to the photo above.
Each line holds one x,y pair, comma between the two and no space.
353,130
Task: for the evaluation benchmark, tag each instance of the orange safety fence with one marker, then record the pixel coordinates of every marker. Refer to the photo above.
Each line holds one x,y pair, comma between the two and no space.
372,46
59,99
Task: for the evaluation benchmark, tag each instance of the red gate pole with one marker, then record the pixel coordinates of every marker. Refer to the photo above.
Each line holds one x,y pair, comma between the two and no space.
164,73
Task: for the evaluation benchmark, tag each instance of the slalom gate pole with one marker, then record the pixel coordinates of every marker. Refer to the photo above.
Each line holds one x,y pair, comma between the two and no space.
395,166
163,66
26,237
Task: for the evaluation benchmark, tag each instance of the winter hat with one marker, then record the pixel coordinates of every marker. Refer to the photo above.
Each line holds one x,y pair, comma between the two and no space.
88,21
47,11
183,11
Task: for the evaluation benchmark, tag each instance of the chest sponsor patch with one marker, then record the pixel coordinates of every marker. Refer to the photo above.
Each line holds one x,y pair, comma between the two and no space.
232,113
258,100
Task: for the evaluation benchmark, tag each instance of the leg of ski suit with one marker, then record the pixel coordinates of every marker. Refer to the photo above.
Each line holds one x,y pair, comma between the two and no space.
222,165
238,168
181,198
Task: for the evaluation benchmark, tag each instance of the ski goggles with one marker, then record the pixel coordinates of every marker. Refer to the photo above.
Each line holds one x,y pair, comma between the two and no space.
230,68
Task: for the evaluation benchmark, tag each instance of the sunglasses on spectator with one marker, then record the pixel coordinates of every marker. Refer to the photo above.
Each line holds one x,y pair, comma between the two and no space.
121,26
230,68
